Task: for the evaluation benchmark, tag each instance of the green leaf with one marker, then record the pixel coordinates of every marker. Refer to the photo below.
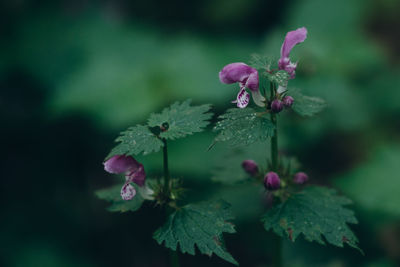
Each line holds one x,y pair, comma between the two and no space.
314,212
136,140
306,105
181,119
113,195
280,77
201,225
242,127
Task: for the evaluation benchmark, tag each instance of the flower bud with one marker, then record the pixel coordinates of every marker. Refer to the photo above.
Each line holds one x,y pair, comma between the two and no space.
288,101
272,181
300,178
250,166
276,106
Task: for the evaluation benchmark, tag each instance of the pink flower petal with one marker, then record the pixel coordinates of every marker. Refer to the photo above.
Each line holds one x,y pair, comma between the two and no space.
128,191
242,99
120,164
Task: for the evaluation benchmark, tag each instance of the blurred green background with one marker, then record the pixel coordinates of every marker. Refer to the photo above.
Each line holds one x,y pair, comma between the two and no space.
75,73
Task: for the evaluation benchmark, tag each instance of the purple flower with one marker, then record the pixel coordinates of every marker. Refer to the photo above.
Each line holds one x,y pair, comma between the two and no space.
292,38
272,181
247,77
133,170
288,101
276,106
300,178
250,166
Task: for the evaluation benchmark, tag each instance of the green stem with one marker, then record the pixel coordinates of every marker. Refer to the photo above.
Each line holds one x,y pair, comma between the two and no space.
274,144
166,169
173,255
277,257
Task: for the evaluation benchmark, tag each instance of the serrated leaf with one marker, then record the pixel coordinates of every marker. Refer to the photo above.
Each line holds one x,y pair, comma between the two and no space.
280,77
198,225
314,212
182,119
242,127
113,195
136,140
306,105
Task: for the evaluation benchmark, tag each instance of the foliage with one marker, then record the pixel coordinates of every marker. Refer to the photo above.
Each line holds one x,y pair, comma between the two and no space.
113,195
314,212
306,105
198,225
242,127
181,119
374,184
136,140
280,77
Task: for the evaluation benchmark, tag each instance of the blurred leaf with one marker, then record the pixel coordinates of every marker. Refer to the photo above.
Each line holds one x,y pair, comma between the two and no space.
261,63
314,212
228,170
136,140
375,185
182,119
113,195
201,225
242,127
306,105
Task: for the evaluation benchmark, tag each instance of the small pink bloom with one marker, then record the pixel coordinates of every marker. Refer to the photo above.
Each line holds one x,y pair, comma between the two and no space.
247,77
272,181
292,38
133,170
300,178
250,166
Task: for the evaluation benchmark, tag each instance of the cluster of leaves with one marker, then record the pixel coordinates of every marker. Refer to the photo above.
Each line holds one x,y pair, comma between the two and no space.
200,225
318,213
176,121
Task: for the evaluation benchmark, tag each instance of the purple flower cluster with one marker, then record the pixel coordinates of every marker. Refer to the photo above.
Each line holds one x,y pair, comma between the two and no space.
272,180
133,170
247,77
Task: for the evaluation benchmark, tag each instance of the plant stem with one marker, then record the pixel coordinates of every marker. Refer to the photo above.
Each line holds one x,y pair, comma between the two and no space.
166,169
173,255
277,257
274,144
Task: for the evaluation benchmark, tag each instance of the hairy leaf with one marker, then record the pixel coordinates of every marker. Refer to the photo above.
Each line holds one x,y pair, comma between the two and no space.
306,105
280,77
314,212
242,127
181,119
201,225
113,195
136,140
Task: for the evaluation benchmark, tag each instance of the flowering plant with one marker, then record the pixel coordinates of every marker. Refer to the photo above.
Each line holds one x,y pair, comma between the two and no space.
294,208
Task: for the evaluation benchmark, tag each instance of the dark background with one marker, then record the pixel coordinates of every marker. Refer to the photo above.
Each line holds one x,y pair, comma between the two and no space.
75,73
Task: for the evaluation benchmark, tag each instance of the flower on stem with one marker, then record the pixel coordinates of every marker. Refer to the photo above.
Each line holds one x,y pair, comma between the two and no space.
288,101
250,166
272,181
247,77
292,38
133,170
300,178
276,106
